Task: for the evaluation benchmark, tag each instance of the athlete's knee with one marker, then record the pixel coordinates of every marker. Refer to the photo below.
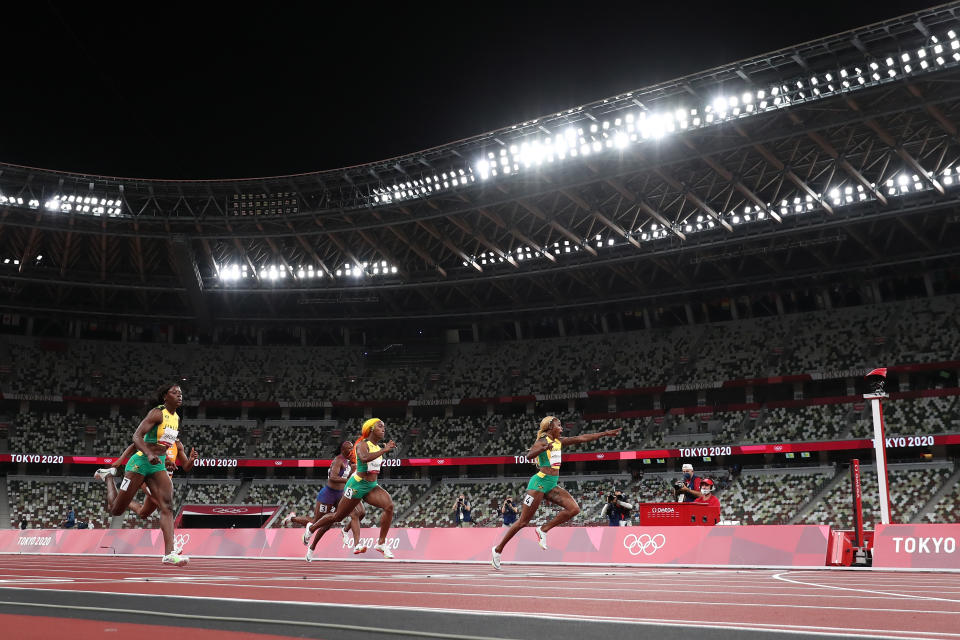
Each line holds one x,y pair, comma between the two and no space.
388,508
573,510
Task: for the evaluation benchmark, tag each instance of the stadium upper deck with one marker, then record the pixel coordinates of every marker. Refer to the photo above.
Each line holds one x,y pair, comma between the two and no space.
801,165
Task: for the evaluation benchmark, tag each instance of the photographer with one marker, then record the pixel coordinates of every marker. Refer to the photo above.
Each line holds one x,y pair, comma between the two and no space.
688,489
461,512
509,512
617,510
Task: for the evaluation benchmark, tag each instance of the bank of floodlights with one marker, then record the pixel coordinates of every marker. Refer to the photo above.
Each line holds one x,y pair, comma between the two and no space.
18,201
583,136
274,273
634,126
90,205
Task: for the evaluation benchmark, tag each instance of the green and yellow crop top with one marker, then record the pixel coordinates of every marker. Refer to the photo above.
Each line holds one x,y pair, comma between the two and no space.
373,465
165,432
550,457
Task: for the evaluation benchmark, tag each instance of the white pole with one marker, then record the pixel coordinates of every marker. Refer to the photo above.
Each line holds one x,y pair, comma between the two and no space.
880,453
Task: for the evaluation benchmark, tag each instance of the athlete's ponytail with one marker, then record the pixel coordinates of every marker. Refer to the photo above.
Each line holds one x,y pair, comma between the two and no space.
364,432
545,425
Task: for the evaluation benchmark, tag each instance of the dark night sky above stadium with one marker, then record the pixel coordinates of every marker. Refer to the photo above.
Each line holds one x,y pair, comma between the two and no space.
213,91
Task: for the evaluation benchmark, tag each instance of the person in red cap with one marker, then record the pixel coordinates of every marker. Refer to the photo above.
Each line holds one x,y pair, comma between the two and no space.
706,494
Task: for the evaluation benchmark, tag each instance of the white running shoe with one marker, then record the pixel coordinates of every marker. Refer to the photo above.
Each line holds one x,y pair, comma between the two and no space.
309,555
287,518
101,474
495,559
175,559
385,550
348,540
542,538
306,534
362,548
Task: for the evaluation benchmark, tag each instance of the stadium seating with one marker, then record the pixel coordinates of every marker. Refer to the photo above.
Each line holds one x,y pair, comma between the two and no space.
947,509
922,330
45,502
772,496
911,487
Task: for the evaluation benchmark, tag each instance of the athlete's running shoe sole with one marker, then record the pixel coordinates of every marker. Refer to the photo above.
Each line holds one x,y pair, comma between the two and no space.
175,559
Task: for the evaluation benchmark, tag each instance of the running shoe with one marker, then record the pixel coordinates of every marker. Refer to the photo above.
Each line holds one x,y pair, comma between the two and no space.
495,559
175,559
306,534
348,540
287,518
385,550
309,555
542,538
362,548
101,474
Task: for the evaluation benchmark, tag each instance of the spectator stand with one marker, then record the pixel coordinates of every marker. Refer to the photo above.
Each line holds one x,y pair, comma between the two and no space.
912,485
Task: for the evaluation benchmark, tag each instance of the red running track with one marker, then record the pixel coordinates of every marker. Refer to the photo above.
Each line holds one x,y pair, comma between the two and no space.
859,603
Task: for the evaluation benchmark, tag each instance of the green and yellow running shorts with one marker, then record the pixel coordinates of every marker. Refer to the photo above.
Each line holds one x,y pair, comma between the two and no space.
139,463
357,488
542,482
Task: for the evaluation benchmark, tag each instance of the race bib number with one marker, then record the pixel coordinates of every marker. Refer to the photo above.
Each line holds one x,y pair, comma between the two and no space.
348,492
124,484
323,508
169,436
528,500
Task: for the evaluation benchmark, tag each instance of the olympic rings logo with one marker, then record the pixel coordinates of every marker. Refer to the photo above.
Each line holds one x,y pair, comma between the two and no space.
180,540
644,543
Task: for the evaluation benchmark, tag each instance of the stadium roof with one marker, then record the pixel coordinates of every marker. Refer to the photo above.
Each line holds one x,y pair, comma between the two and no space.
811,163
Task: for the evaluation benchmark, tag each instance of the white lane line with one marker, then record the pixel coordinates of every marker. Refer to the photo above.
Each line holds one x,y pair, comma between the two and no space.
782,576
213,582
893,634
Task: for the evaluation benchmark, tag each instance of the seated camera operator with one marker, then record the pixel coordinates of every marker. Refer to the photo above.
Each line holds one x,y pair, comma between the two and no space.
461,512
688,489
617,510
509,512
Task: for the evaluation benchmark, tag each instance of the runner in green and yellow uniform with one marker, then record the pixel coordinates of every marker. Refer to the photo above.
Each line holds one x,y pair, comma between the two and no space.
362,485
156,433
546,451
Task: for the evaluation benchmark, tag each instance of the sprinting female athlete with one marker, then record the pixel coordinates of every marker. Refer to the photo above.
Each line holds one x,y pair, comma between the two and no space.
329,497
363,486
175,457
156,433
546,451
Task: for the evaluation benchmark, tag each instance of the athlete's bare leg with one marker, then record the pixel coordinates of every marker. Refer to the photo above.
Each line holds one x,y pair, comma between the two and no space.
569,507
530,505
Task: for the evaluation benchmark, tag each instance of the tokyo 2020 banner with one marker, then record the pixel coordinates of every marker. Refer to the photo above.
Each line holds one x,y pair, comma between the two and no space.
746,546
